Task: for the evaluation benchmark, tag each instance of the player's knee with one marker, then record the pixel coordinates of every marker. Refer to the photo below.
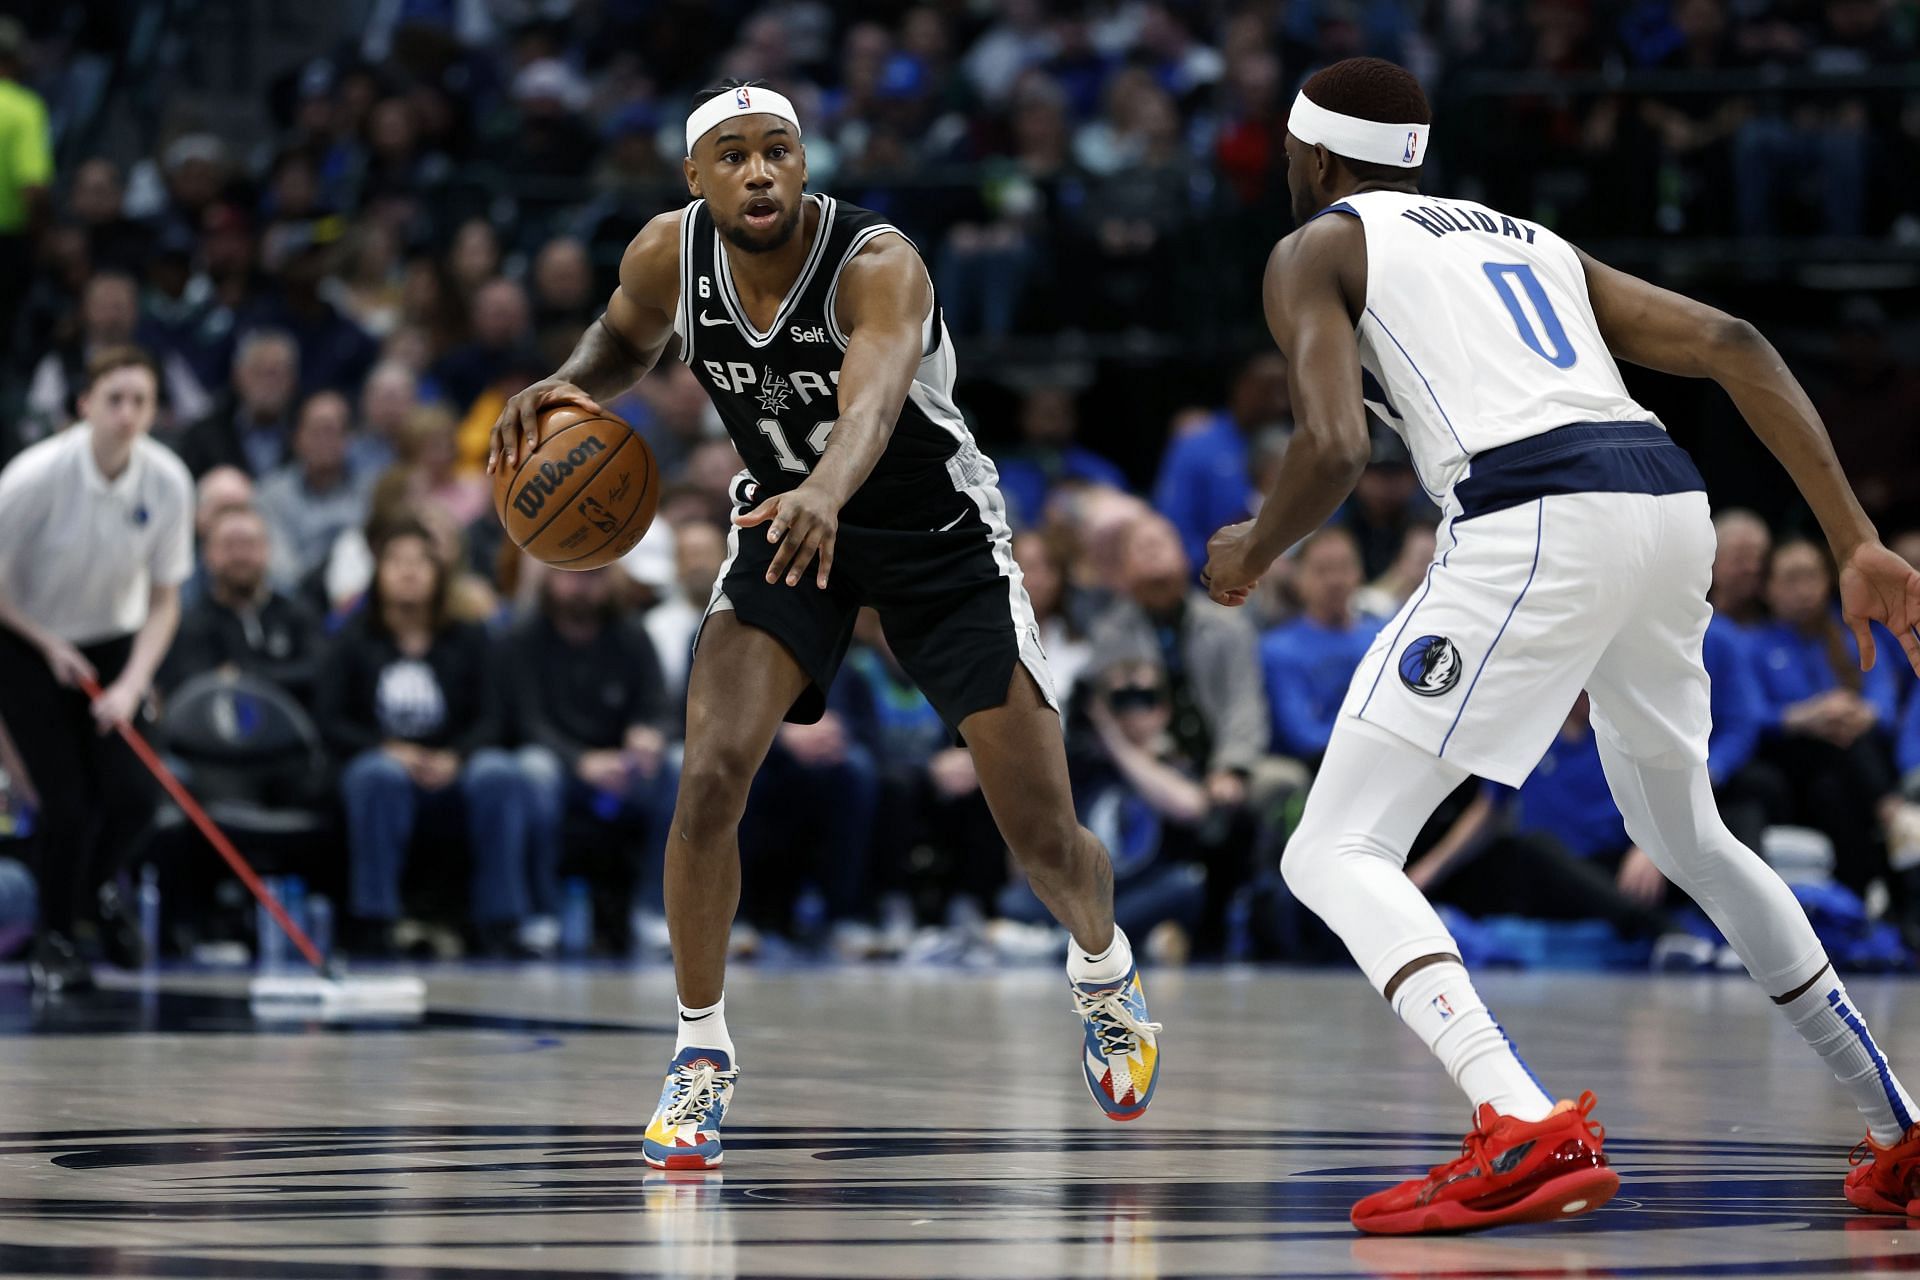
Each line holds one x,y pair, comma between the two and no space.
1301,865
713,786
1046,846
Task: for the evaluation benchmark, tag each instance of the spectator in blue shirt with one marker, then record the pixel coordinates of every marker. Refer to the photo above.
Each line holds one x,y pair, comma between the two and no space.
1310,660
1206,480
1828,725
1751,793
1047,456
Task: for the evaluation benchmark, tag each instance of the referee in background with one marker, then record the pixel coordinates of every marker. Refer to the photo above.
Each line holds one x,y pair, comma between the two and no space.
96,536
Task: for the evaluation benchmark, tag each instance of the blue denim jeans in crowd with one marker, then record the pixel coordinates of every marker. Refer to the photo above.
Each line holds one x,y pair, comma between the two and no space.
384,806
646,807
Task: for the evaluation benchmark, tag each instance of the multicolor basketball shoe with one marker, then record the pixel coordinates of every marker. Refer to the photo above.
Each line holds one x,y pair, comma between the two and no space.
1508,1171
1883,1179
685,1130
1121,1055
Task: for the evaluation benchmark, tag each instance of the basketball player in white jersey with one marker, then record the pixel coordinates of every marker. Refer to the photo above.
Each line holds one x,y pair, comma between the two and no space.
1575,554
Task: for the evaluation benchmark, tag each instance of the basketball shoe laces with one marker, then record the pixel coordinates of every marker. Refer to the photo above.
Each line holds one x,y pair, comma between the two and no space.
697,1087
1904,1167
1114,1024
1474,1161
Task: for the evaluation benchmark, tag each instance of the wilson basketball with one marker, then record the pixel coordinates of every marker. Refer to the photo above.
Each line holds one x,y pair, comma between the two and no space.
584,496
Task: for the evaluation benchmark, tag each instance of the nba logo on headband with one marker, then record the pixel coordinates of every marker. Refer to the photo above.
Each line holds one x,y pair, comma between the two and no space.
1413,147
741,100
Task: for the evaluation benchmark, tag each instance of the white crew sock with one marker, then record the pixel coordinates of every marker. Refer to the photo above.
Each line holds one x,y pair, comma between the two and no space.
1826,1018
705,1029
1441,1006
1110,965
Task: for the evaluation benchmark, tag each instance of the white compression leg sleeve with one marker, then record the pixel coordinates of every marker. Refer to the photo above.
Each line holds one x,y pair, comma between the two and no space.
1345,863
1372,795
1671,814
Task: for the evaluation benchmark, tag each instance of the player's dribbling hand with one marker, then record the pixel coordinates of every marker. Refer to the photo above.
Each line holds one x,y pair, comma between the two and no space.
517,429
1234,565
1877,585
803,524
117,704
68,664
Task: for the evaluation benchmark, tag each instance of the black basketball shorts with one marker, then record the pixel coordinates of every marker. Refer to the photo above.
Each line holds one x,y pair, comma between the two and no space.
949,596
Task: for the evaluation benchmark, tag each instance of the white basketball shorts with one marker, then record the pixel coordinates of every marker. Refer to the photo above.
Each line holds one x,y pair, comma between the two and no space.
1524,607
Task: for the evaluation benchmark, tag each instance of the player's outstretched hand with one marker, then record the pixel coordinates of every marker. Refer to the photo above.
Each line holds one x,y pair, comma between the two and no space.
517,430
1234,565
802,523
1878,586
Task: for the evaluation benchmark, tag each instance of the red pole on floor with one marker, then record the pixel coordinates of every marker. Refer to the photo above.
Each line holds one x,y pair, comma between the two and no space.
215,837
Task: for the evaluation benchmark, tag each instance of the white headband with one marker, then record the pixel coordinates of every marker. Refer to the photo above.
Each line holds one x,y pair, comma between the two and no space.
1403,146
747,100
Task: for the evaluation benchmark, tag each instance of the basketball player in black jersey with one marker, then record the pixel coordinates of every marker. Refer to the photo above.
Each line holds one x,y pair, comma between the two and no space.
814,327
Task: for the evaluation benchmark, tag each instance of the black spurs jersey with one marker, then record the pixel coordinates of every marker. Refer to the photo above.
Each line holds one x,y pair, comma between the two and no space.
778,391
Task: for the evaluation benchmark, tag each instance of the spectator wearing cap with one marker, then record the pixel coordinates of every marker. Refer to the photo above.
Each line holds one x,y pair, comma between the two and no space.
316,495
552,146
1047,456
109,317
1206,480
194,169
26,171
96,536
1309,661
251,424
241,623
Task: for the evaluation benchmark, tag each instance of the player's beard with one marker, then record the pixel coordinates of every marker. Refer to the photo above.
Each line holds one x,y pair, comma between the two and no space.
1302,201
744,240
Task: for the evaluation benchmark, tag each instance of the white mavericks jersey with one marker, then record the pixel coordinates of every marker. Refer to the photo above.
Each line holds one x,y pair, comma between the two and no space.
1477,332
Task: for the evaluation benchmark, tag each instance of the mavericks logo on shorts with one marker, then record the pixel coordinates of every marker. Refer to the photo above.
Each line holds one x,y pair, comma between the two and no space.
1430,666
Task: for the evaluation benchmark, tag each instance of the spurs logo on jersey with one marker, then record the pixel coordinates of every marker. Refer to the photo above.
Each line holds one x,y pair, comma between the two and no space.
777,390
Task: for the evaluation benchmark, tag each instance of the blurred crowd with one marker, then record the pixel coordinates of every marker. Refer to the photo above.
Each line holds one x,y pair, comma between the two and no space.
339,314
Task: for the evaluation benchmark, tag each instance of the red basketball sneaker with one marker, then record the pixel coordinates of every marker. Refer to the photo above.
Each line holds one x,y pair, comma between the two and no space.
1883,1178
1508,1171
